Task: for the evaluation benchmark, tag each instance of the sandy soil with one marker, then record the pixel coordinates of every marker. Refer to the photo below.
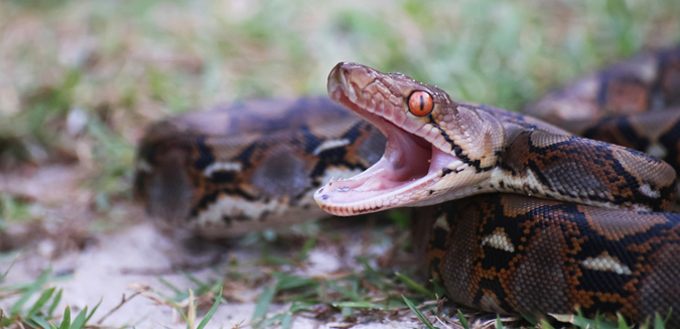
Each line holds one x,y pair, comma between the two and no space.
129,257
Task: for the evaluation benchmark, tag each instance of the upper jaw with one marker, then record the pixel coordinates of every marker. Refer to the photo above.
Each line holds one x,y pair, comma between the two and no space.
345,75
413,159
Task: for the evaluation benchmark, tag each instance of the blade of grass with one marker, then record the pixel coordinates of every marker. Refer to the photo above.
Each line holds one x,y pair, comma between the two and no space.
201,285
287,281
44,297
212,311
55,303
262,305
2,277
368,305
463,320
309,244
438,288
169,285
659,322
580,321
287,318
622,321
41,322
499,323
668,316
413,285
80,320
94,310
346,312
420,315
530,318
545,325
32,289
66,320
349,294
178,309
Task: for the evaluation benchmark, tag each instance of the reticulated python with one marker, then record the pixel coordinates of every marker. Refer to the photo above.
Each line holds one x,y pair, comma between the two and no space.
604,243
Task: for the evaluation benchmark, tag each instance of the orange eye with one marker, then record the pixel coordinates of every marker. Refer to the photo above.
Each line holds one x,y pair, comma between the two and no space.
420,103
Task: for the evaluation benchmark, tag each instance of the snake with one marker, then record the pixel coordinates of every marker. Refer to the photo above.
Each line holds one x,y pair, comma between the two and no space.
525,216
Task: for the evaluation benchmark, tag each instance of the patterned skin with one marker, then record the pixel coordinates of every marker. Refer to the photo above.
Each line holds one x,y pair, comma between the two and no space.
648,82
513,254
232,170
218,174
461,149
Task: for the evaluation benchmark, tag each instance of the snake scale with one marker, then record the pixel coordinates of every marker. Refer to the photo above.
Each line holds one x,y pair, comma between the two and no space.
542,221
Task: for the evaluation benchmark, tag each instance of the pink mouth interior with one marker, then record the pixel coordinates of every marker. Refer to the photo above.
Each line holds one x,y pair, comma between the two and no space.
407,159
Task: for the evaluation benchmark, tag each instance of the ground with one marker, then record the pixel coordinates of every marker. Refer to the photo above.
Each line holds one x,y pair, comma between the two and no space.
80,81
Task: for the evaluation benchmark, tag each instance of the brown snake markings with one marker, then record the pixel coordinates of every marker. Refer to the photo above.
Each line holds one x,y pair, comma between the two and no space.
260,155
502,253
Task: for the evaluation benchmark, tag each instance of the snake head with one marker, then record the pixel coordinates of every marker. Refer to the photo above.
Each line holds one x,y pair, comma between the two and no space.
437,149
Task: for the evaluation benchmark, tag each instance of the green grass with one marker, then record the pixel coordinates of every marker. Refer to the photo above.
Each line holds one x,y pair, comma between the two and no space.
121,66
40,313
82,79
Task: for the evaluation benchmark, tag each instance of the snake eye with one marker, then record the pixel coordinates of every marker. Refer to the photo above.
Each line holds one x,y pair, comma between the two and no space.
420,103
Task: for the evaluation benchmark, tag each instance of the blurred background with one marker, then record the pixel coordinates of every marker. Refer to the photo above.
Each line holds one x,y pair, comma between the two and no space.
80,80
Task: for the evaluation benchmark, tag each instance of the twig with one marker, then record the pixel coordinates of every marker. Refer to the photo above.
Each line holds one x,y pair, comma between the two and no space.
123,301
440,305
438,319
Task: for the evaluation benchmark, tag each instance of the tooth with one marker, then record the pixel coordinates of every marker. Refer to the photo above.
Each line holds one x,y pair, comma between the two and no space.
360,101
446,147
336,80
352,94
337,93
432,134
422,132
441,143
343,80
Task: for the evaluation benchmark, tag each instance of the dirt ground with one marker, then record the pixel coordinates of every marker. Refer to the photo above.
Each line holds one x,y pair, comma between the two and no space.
127,260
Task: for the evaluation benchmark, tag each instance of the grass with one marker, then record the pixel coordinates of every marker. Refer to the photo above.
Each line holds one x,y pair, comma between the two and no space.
355,294
82,79
41,312
123,66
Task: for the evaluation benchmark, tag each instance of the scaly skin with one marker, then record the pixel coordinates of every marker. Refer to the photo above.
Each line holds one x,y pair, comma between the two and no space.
507,253
462,149
228,171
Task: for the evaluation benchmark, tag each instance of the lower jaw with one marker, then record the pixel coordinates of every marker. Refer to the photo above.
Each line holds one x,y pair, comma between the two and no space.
392,172
377,186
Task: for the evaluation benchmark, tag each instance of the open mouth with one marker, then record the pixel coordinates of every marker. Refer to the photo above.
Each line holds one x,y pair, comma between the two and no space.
410,165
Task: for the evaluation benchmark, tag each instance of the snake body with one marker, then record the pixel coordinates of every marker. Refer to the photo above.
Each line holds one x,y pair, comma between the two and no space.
236,169
604,243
